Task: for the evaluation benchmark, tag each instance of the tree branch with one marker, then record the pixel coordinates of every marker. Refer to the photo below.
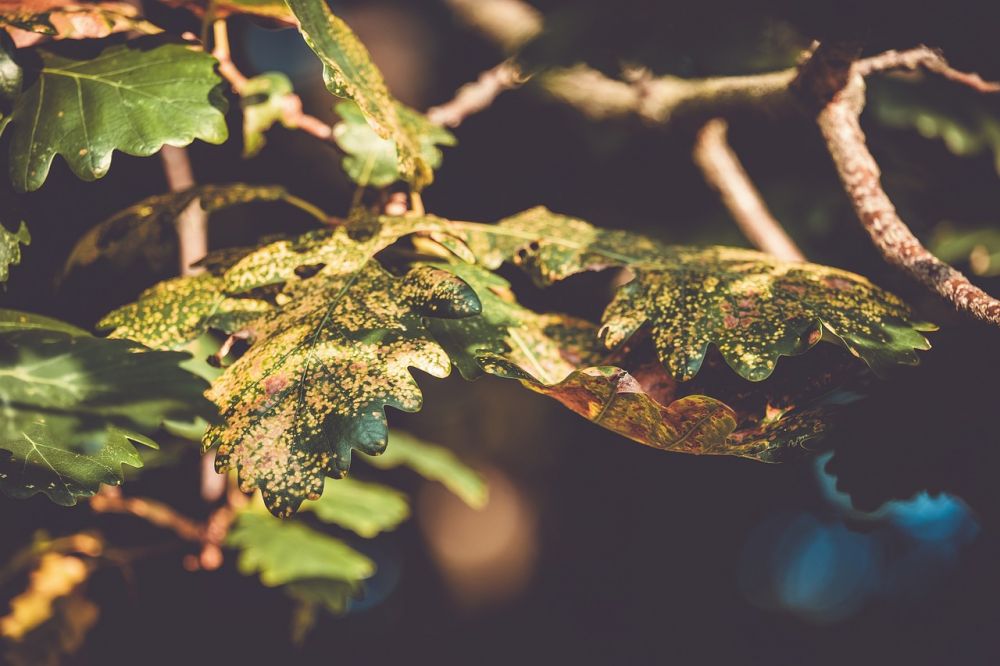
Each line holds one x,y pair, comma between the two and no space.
508,23
477,95
192,223
292,114
111,500
839,122
725,174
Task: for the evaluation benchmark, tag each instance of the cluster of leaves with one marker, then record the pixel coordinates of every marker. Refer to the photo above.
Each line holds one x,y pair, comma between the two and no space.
332,330
317,334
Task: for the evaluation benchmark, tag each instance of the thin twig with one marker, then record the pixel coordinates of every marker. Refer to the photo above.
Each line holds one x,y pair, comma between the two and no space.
723,171
111,500
923,57
839,122
292,114
192,223
478,95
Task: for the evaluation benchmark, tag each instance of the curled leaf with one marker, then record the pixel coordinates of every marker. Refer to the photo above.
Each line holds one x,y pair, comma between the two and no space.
264,99
145,232
752,307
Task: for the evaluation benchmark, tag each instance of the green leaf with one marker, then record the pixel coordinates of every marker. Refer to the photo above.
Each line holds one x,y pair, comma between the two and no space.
349,72
285,551
172,313
365,508
434,463
967,123
133,97
370,159
264,99
11,79
10,248
321,370
550,346
75,381
553,354
752,307
144,232
15,320
39,460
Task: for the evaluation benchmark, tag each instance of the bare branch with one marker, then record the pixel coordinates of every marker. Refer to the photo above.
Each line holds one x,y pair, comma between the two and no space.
475,96
724,173
192,223
509,23
927,59
111,500
839,121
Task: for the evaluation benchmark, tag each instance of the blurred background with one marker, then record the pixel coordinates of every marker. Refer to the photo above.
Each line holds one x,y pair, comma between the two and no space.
593,549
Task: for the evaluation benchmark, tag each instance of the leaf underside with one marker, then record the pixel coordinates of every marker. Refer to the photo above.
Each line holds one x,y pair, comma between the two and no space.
145,231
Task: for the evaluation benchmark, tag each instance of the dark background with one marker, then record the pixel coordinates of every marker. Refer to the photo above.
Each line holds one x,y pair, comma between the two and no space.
639,556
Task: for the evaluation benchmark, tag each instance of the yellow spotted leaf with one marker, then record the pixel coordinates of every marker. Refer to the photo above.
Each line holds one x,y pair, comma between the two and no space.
333,252
172,313
752,307
560,356
145,231
320,371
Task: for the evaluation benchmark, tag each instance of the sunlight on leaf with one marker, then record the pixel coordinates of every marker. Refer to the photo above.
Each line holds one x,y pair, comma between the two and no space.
365,508
285,551
10,248
315,383
434,463
133,97
370,159
348,71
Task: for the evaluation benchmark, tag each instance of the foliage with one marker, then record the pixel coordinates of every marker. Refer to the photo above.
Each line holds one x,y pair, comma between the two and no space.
749,305
315,382
349,72
435,464
300,341
10,248
133,97
72,404
282,552
144,232
264,99
370,159
365,508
